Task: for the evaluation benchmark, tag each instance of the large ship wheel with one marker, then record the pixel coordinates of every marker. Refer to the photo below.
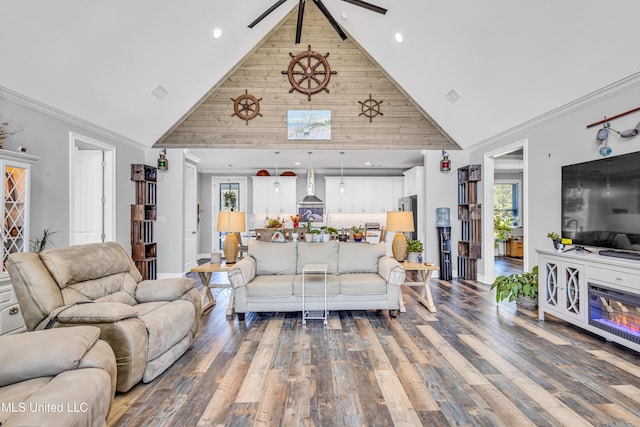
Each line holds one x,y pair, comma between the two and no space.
309,72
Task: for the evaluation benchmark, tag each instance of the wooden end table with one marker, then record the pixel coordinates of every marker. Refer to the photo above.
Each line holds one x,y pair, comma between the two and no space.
205,271
425,270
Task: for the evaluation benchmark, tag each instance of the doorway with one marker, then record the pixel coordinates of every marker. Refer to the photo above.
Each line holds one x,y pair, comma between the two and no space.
505,207
92,190
227,193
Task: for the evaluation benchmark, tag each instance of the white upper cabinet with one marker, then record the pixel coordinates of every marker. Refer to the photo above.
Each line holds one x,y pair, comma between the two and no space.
267,201
413,181
363,195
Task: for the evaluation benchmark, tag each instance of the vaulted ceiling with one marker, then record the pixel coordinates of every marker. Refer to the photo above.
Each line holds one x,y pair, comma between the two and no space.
511,61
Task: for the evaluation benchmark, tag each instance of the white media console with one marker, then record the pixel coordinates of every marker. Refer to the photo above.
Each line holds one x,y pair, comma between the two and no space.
600,294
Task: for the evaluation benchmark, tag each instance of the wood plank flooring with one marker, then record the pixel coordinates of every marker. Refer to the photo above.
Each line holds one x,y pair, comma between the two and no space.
473,363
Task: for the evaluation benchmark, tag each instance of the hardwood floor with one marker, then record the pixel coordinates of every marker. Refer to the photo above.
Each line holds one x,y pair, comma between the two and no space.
504,266
472,363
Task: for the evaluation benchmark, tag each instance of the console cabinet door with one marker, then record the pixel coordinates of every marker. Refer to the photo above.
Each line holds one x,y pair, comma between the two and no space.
564,292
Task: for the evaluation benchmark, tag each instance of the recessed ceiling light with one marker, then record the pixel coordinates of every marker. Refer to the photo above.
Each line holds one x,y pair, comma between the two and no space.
367,163
217,33
159,92
343,16
297,163
399,37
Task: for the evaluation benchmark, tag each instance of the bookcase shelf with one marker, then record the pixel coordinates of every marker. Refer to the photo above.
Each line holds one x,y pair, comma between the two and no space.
470,216
143,215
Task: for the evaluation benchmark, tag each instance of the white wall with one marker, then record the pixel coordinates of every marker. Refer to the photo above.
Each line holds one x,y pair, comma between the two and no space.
46,135
563,139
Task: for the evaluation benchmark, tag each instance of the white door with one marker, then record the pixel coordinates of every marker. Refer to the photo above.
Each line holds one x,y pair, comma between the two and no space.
89,196
190,216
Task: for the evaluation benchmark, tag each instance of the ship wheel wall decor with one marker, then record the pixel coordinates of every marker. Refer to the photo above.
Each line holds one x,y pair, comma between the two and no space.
246,107
370,108
309,72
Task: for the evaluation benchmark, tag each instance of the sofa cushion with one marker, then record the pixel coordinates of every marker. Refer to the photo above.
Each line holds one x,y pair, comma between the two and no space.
359,257
273,258
362,284
266,286
318,253
166,322
314,285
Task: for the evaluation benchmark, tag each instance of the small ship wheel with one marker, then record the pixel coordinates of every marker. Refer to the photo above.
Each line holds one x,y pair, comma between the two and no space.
246,107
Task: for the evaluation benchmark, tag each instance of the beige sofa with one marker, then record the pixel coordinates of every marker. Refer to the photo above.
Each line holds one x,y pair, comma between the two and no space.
59,377
148,323
360,277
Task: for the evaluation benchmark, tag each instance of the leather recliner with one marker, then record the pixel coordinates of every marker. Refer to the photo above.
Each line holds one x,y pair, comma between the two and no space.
149,324
59,377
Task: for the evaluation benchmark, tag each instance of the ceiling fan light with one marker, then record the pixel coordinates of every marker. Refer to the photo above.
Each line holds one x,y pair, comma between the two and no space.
276,187
217,33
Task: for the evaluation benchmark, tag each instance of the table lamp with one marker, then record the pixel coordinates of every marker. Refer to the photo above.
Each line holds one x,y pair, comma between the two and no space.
400,222
231,222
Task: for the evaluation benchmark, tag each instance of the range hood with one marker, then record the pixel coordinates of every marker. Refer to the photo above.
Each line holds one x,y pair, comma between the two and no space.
310,200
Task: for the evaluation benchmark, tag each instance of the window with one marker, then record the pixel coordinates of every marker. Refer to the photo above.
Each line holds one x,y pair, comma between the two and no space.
506,200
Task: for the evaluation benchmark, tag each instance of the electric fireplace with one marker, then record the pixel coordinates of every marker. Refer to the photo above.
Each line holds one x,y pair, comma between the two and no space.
615,311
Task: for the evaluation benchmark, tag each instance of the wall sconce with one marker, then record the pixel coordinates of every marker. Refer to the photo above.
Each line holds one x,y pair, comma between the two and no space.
163,163
445,163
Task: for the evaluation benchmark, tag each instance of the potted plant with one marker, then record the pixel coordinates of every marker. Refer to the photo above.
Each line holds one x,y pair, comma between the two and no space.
230,198
357,233
555,238
414,249
308,237
519,287
502,226
40,243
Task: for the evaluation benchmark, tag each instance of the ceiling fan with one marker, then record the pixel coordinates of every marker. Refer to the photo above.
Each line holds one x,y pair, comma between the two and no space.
324,11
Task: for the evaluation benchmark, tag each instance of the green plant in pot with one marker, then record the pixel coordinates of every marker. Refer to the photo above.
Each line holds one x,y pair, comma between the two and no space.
519,287
357,233
414,249
555,238
502,226
40,243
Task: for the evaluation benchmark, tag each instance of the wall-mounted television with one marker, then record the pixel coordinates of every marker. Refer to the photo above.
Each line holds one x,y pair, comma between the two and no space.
601,203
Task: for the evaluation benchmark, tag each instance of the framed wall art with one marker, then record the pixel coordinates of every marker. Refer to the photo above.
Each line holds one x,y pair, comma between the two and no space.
309,124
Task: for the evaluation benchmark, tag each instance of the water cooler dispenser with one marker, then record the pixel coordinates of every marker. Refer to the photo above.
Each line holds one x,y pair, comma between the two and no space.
443,224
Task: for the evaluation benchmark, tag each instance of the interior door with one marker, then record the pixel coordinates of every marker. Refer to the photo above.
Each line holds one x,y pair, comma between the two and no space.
89,196
190,216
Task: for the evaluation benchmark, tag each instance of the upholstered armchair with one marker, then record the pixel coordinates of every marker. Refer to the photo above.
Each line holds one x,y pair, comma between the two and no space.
149,324
59,377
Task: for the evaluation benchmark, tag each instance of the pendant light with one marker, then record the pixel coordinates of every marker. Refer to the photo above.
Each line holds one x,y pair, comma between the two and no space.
342,186
310,186
276,184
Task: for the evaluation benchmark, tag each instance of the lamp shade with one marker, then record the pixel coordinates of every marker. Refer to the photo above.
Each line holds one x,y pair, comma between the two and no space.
401,221
231,222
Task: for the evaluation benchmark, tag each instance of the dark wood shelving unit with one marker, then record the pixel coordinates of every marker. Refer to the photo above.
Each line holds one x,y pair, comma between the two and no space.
143,216
470,216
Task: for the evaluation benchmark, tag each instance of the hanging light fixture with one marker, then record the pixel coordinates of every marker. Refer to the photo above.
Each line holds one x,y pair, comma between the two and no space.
310,185
276,184
343,186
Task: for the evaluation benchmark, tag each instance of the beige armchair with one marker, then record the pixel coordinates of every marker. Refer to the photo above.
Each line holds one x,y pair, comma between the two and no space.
148,323
61,377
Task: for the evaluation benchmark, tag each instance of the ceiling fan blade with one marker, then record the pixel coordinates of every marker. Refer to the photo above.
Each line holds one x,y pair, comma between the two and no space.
267,12
369,6
300,17
332,21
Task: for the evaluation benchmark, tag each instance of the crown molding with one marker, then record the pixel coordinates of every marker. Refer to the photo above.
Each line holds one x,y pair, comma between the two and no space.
40,107
598,95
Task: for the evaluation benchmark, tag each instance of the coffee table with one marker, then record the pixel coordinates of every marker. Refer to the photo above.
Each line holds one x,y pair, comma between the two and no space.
425,270
205,271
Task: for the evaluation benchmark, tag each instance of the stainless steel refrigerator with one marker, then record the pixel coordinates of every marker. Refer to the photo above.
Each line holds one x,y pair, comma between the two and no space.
410,203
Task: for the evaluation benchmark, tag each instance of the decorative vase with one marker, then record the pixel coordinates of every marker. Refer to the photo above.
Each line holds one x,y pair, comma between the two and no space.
358,237
308,237
326,237
294,237
343,237
413,256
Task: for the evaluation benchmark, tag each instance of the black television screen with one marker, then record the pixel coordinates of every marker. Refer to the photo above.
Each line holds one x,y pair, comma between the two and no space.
601,203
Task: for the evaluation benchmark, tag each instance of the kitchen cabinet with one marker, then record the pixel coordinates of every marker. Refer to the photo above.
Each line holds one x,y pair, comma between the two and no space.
363,195
413,181
267,201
